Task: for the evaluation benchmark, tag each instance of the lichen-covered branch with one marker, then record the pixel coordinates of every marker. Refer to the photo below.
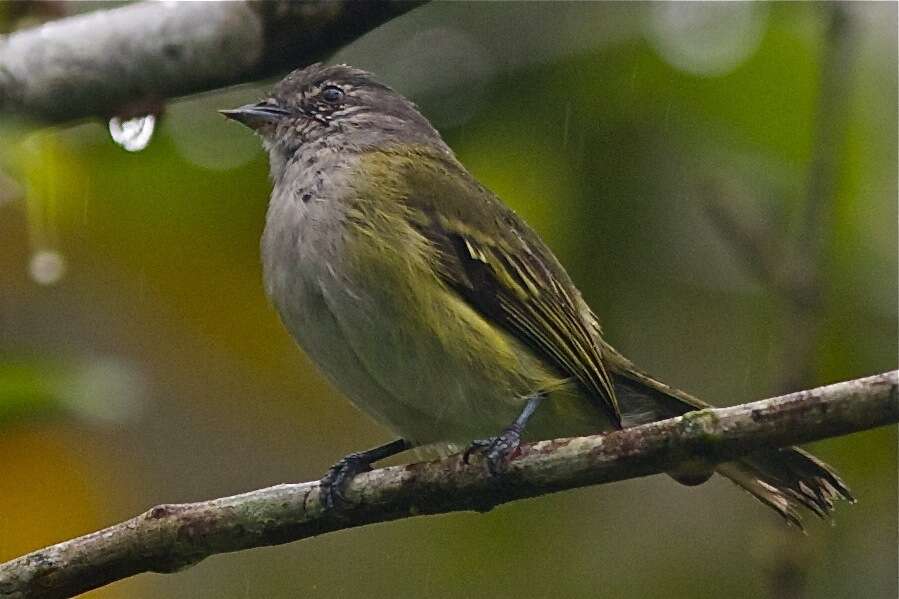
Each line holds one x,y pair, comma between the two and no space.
171,537
124,60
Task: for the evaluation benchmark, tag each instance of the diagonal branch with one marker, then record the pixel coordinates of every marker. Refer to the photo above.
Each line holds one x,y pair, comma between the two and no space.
168,538
118,62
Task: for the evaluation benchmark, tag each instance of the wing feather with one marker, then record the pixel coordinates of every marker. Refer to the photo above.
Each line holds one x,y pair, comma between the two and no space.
516,291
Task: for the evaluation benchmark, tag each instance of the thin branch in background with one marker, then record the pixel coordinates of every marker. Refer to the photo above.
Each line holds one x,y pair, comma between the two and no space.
169,538
791,266
754,240
812,244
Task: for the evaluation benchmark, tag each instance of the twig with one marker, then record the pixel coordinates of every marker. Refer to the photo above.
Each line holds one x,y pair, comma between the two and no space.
168,538
115,62
755,241
811,248
792,267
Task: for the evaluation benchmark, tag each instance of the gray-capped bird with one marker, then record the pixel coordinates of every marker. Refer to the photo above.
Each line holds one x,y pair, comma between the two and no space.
434,308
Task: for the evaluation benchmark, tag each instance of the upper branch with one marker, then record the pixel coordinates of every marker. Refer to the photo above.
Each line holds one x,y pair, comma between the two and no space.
171,537
119,61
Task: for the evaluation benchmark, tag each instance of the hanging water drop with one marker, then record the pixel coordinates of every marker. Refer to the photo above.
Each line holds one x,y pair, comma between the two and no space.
132,134
47,267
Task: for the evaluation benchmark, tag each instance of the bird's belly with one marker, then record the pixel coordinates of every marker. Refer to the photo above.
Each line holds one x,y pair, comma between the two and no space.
381,372
398,372
408,351
300,249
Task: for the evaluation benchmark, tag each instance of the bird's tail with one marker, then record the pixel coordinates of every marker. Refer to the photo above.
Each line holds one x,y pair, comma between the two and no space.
784,479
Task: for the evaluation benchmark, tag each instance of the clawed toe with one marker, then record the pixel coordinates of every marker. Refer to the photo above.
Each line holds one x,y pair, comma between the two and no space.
339,476
497,450
476,445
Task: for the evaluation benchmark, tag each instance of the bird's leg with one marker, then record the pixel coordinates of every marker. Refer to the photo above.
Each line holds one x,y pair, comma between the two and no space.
497,449
336,479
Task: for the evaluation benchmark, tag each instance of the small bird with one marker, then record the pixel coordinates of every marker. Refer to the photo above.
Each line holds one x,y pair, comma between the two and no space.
435,309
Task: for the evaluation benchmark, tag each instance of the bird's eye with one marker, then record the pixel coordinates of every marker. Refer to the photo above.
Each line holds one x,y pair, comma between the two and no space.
332,94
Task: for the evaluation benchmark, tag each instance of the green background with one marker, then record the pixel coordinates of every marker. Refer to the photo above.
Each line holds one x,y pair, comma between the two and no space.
155,371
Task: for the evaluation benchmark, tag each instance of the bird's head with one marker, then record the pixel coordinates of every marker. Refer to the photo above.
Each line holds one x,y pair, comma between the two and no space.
338,104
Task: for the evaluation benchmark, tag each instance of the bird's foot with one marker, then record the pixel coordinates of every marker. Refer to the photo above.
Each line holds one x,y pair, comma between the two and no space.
497,450
335,481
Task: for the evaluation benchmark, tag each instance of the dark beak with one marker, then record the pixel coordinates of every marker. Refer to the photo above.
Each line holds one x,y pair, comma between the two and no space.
255,116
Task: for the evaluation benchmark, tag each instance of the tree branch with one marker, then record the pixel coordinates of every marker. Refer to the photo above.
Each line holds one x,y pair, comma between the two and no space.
118,62
168,538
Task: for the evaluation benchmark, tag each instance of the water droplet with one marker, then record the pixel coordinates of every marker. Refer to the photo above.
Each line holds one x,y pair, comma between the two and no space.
47,267
132,134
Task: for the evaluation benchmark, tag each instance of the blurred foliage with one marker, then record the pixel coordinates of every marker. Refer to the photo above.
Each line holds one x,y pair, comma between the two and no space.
130,292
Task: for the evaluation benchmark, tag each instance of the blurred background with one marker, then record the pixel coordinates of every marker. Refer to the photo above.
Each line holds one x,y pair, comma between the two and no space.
666,152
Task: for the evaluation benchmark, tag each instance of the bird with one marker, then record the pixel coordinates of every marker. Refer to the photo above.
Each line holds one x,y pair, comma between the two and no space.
435,309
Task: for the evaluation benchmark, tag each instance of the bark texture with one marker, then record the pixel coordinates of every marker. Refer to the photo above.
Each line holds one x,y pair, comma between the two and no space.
168,538
127,61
